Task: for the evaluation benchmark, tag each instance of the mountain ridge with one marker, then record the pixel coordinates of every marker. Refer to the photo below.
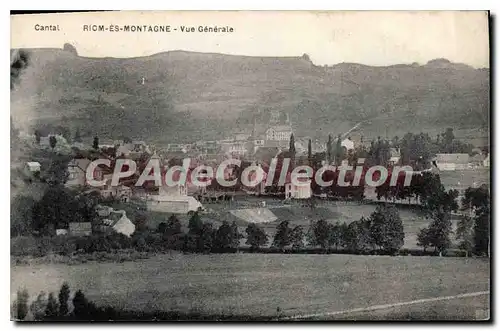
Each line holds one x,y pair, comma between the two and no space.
201,95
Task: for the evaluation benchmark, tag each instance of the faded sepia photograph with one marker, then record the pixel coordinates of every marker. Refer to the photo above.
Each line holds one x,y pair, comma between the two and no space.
250,166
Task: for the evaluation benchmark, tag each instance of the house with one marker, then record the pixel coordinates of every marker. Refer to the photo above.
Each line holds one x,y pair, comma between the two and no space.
103,211
279,132
260,188
77,169
172,199
347,143
31,168
301,191
119,192
259,142
118,221
80,228
176,190
234,147
395,156
61,232
123,150
486,161
114,220
451,162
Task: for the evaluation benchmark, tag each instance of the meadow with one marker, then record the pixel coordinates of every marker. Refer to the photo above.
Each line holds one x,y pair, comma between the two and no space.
267,284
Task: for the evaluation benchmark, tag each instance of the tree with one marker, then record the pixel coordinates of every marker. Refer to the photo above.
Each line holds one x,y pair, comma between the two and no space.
21,213
344,228
477,201
19,62
52,309
224,237
292,150
256,237
395,142
195,224
63,297
448,137
318,234
52,141
339,151
235,236
38,307
465,234
77,138
439,232
297,237
58,207
173,226
282,237
206,238
437,205
424,238
57,171
162,227
329,149
386,228
95,143
64,132
21,304
384,190
336,236
38,136
481,233
80,305
309,152
358,236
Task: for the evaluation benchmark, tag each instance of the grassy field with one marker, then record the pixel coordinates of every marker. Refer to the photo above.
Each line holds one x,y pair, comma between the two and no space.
465,178
258,284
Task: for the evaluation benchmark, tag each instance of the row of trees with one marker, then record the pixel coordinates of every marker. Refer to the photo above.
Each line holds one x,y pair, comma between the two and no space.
420,187
52,308
46,307
472,230
382,231
416,149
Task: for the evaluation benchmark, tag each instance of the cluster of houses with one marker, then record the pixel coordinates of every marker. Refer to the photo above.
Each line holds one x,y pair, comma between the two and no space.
258,139
109,221
259,146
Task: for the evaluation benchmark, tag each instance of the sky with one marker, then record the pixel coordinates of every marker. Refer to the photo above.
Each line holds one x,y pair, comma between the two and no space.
372,38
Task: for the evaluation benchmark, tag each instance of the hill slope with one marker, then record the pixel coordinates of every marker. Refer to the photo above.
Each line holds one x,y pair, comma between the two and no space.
184,95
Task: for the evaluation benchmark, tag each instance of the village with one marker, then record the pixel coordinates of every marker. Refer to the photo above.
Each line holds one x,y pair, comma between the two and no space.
257,147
